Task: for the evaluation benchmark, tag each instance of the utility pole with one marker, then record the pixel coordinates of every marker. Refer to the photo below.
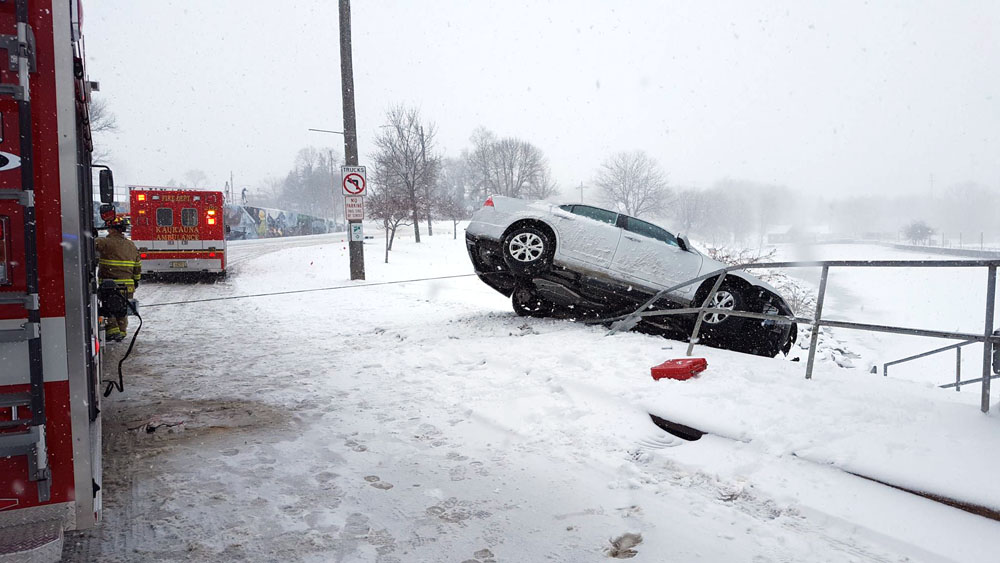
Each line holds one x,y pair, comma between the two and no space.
356,247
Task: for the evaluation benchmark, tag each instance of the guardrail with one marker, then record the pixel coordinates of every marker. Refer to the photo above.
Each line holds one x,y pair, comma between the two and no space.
988,338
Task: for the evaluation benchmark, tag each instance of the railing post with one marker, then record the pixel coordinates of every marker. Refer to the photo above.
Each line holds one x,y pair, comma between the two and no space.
814,337
958,369
991,295
701,314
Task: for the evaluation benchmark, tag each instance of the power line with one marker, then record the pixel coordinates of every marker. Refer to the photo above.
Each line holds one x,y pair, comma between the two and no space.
304,290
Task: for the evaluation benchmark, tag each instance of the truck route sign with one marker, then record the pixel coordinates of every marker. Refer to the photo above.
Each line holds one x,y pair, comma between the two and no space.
355,180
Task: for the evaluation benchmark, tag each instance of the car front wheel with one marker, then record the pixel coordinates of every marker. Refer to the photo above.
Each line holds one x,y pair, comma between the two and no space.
728,298
527,303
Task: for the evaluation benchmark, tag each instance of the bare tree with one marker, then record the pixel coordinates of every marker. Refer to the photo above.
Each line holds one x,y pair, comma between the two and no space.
310,186
509,166
633,182
690,208
405,161
196,179
918,232
102,121
390,206
451,202
101,118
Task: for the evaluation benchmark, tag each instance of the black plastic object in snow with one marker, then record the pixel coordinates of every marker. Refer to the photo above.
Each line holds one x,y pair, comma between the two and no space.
679,430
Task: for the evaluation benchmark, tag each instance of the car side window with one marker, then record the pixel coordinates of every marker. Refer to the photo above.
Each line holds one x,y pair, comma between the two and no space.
650,230
596,213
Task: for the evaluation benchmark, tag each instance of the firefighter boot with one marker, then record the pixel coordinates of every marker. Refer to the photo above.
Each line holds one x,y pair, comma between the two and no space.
113,332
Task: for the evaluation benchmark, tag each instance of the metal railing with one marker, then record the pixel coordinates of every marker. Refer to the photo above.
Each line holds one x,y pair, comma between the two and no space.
958,363
988,338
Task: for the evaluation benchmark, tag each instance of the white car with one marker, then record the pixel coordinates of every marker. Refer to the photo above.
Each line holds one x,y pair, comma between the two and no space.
587,262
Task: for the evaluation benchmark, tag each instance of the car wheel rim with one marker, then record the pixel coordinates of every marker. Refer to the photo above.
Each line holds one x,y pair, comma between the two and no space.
723,300
527,300
526,247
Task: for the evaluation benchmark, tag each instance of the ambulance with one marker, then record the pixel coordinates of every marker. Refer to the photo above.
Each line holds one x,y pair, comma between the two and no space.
178,231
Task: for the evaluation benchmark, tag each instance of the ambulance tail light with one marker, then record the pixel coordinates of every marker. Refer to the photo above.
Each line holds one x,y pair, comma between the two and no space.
211,216
211,255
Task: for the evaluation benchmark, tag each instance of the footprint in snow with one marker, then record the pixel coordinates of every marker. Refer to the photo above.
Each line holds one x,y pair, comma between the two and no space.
356,446
378,483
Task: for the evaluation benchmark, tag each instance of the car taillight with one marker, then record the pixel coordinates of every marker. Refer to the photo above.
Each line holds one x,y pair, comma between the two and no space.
489,202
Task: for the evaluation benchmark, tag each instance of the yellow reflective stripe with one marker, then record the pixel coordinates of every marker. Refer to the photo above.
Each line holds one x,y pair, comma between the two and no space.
126,281
123,263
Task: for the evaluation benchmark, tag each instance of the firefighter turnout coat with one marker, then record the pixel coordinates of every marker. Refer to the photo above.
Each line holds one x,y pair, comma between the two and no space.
119,260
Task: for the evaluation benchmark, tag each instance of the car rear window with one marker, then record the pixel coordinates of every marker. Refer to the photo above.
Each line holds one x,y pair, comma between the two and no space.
650,230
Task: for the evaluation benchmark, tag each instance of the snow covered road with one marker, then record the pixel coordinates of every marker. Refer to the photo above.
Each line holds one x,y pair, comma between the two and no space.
426,422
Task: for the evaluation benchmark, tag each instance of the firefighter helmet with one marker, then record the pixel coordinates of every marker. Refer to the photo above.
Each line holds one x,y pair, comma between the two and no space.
118,223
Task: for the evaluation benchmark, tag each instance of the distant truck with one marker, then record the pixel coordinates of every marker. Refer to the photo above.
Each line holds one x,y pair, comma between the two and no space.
178,231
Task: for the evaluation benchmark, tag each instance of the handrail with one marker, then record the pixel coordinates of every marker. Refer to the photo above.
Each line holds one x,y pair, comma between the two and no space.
958,363
628,321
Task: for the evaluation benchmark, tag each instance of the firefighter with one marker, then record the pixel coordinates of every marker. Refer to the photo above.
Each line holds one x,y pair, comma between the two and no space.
119,261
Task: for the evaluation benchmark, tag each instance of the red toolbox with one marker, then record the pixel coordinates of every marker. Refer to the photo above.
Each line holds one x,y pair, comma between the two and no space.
679,369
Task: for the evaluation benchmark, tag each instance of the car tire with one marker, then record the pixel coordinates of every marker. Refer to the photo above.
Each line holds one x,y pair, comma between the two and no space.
725,328
527,303
527,250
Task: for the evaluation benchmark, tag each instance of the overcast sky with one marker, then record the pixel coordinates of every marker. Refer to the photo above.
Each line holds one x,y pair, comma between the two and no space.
823,97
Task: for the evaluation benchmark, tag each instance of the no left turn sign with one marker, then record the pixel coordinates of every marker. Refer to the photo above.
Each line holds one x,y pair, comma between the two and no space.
354,180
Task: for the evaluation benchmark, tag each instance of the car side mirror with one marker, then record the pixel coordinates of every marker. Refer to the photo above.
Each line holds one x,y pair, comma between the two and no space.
107,181
682,242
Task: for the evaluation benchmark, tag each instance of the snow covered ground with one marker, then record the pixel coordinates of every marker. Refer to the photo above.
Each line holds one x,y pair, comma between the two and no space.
424,421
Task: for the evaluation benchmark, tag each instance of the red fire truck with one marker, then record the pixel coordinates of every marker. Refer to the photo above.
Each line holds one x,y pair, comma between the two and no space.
178,230
50,358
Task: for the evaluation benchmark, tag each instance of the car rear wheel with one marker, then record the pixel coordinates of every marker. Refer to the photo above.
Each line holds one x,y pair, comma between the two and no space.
527,303
527,250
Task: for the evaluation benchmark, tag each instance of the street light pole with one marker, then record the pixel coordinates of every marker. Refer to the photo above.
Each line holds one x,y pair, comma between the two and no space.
356,248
